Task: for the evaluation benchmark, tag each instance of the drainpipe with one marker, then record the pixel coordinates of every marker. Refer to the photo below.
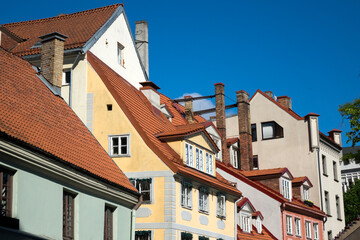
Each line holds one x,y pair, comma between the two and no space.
133,217
321,198
282,208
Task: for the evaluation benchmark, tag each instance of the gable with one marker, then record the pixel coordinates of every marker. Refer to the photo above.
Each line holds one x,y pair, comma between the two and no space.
248,208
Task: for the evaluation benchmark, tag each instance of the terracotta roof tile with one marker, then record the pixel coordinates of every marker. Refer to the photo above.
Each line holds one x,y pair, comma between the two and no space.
301,180
254,235
79,27
265,172
231,141
149,124
31,114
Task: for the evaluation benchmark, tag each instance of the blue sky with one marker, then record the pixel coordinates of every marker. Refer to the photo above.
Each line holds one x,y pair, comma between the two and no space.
307,50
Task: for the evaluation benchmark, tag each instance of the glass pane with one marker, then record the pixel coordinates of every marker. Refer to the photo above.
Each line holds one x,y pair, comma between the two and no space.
124,141
115,141
124,150
146,195
268,131
115,150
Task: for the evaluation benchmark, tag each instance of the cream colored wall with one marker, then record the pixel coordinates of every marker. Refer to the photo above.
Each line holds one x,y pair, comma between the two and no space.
292,151
106,123
212,218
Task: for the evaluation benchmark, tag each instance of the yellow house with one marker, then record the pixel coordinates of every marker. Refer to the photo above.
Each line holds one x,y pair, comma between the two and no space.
171,162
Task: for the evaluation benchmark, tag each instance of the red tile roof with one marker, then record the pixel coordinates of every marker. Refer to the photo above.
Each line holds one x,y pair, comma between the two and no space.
254,235
231,141
288,110
33,116
301,180
149,124
79,27
266,172
270,192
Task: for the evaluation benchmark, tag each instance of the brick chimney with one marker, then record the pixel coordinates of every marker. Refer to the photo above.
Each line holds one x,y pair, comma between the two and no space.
269,93
142,43
285,101
221,120
189,112
244,130
52,57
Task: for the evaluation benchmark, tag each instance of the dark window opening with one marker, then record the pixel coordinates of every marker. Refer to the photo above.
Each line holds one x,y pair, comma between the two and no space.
68,216
253,132
6,192
144,187
108,223
66,77
271,130
109,107
142,235
255,162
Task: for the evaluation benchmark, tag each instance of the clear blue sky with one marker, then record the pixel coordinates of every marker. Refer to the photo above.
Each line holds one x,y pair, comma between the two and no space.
308,50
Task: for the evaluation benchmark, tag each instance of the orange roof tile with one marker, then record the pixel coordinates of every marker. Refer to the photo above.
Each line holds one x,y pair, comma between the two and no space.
254,235
301,180
79,27
32,115
149,124
265,172
288,110
329,139
231,141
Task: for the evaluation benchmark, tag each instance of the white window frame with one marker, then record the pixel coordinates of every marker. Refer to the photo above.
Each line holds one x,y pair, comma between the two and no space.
218,144
119,137
258,224
308,229
199,159
246,225
203,201
221,206
189,154
316,231
65,71
289,227
286,188
120,54
234,156
209,163
298,227
186,196
305,193
135,181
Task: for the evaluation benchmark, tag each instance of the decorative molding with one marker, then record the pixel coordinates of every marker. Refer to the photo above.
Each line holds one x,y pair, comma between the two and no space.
143,212
149,174
220,224
204,220
186,215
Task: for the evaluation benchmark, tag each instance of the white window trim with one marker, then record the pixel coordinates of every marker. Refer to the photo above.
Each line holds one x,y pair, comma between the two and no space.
63,81
316,231
188,196
128,136
245,219
289,227
218,210
286,189
234,157
298,227
151,190
305,192
120,54
209,163
205,201
258,224
308,229
199,159
189,154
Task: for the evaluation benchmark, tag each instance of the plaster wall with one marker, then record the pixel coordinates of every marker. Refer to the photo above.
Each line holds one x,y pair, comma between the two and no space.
106,49
270,210
38,204
333,186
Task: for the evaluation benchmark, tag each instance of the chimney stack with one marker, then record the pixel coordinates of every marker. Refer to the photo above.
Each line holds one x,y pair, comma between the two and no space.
221,120
142,43
52,57
269,93
189,112
285,101
246,156
335,135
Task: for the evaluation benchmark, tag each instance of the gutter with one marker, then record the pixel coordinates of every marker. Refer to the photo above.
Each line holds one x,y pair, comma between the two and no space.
282,208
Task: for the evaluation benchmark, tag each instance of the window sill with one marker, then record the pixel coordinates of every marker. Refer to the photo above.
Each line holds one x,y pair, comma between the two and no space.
339,219
336,180
186,207
204,212
221,217
118,156
299,236
9,222
325,174
147,202
289,234
265,139
328,215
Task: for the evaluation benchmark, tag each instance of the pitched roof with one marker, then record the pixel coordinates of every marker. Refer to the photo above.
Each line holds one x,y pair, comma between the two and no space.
33,116
266,172
329,140
301,180
149,123
288,110
79,27
231,141
296,203
254,235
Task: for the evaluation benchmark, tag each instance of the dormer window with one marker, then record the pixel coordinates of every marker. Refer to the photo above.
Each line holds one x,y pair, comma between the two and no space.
209,164
271,130
234,156
286,188
120,54
189,159
258,225
246,223
66,79
305,193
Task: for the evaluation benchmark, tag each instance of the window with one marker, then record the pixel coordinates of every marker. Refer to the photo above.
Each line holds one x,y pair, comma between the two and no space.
144,187
246,223
68,215
142,235
199,159
221,209
120,55
305,193
119,145
186,236
66,79
286,188
298,227
108,223
316,231
253,132
308,229
289,227
189,155
327,204
338,211
186,197
329,235
203,238
209,164
271,130
218,144
234,156
335,171
255,162
323,157
203,199
6,190
109,107
258,225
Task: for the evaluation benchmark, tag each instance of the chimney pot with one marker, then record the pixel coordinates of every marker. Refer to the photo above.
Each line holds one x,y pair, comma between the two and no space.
246,156
285,101
142,43
189,112
52,57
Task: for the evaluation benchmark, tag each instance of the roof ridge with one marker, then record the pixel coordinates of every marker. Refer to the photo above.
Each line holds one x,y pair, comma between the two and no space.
29,22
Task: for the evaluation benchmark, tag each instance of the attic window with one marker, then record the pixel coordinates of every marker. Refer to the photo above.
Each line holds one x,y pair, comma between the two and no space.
120,54
66,79
109,107
271,130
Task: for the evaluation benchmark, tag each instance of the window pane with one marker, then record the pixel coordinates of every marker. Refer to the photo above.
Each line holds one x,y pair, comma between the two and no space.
124,150
268,130
124,141
115,141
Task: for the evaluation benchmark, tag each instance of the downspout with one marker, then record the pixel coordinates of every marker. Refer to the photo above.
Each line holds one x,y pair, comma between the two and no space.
133,217
321,198
282,208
